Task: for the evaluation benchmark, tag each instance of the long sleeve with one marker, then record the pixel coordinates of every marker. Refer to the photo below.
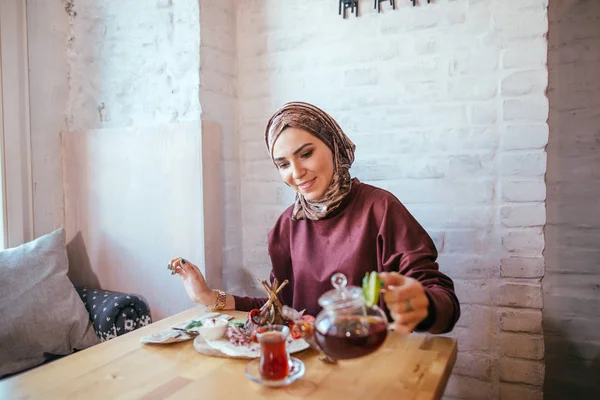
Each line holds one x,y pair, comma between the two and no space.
246,303
405,247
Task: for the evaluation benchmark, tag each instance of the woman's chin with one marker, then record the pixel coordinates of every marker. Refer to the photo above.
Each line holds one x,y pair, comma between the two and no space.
312,195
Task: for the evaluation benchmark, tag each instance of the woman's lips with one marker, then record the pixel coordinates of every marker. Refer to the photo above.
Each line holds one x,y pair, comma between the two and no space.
307,185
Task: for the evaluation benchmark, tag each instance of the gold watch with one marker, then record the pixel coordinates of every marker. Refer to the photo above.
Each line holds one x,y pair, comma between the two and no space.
220,303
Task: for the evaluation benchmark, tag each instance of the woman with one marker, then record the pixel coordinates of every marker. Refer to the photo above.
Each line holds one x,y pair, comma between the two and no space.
338,224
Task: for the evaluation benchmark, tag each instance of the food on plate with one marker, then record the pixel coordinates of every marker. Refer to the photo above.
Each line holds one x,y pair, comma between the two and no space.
192,325
213,328
272,312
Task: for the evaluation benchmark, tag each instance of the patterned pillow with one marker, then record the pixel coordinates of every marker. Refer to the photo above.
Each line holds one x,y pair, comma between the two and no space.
113,313
41,314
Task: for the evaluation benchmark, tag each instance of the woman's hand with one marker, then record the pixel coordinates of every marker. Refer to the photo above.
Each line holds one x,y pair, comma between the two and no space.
406,300
193,281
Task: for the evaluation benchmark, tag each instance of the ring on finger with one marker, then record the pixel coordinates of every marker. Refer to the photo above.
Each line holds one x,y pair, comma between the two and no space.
408,306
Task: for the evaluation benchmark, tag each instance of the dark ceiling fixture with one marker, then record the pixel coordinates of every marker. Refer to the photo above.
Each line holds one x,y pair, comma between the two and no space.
415,2
345,4
378,4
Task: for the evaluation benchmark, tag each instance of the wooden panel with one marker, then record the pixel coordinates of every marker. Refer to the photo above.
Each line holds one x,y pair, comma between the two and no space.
48,26
134,199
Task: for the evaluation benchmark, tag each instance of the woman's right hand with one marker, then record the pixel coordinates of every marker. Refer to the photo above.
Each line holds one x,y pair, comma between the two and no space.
193,281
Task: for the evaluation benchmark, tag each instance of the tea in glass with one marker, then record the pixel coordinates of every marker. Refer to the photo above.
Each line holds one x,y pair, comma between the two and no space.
274,357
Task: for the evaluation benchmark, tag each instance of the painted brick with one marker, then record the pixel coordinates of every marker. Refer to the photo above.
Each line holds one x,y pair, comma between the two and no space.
525,54
524,137
475,365
107,56
387,168
530,109
474,315
472,88
420,67
464,387
522,346
511,25
475,62
472,339
452,217
461,266
464,240
510,391
523,215
523,164
360,77
484,113
525,83
522,371
520,191
519,295
521,320
522,267
441,191
523,241
473,291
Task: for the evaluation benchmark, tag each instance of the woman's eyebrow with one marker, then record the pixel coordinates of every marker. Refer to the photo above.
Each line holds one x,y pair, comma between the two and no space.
298,150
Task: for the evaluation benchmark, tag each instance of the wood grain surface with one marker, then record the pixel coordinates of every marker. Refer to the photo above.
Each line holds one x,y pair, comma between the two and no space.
406,367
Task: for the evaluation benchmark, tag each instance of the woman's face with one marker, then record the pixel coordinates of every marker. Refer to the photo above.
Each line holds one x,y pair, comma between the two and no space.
304,162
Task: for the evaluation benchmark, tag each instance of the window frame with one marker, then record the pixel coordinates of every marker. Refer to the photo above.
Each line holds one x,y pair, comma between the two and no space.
15,136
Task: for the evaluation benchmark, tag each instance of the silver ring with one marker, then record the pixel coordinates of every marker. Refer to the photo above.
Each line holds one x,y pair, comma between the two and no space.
408,305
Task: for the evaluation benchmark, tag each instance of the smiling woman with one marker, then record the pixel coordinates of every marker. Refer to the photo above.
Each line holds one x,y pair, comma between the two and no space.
305,164
338,224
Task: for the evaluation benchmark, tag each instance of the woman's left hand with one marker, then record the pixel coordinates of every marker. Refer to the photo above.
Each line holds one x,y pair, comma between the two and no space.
405,298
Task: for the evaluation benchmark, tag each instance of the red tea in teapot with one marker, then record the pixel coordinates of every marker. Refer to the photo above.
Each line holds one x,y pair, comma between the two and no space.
351,337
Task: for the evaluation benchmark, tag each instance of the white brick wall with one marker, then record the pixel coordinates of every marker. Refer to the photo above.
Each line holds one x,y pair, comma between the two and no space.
454,93
132,64
218,99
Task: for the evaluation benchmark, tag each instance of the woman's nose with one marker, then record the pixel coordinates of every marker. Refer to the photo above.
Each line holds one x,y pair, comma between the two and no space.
297,170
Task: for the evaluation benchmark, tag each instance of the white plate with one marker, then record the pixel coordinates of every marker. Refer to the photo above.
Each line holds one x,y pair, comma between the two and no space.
166,337
171,335
224,348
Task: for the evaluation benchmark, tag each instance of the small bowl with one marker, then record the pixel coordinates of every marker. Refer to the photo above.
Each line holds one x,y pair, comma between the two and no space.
213,329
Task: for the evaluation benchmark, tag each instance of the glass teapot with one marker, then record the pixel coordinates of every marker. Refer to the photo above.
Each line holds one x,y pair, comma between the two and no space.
346,327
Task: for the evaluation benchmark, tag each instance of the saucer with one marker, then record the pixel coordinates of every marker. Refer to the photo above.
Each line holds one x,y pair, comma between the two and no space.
296,372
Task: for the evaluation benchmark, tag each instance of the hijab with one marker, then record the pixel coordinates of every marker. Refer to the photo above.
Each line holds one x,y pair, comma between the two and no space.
317,122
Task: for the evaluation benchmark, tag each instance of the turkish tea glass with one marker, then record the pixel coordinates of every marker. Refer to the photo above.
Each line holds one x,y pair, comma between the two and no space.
274,356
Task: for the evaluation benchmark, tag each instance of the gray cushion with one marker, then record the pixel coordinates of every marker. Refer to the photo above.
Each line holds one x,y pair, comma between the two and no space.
41,314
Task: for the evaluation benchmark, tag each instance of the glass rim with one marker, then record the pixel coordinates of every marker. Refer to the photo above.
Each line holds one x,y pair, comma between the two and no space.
272,328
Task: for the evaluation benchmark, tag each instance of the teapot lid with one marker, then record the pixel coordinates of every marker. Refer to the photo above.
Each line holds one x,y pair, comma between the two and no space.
341,296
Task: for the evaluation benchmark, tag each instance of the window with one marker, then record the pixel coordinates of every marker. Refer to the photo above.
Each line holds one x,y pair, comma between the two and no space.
15,167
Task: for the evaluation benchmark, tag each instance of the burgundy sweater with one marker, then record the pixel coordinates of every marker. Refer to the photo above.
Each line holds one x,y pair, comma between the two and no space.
371,230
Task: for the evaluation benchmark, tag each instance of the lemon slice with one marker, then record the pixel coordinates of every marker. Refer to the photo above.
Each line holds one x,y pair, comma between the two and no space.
371,288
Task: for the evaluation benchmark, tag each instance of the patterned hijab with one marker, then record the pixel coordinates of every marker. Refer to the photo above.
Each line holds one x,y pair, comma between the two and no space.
320,124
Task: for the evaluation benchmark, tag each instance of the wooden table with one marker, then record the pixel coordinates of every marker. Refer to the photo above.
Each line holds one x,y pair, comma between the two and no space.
413,367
